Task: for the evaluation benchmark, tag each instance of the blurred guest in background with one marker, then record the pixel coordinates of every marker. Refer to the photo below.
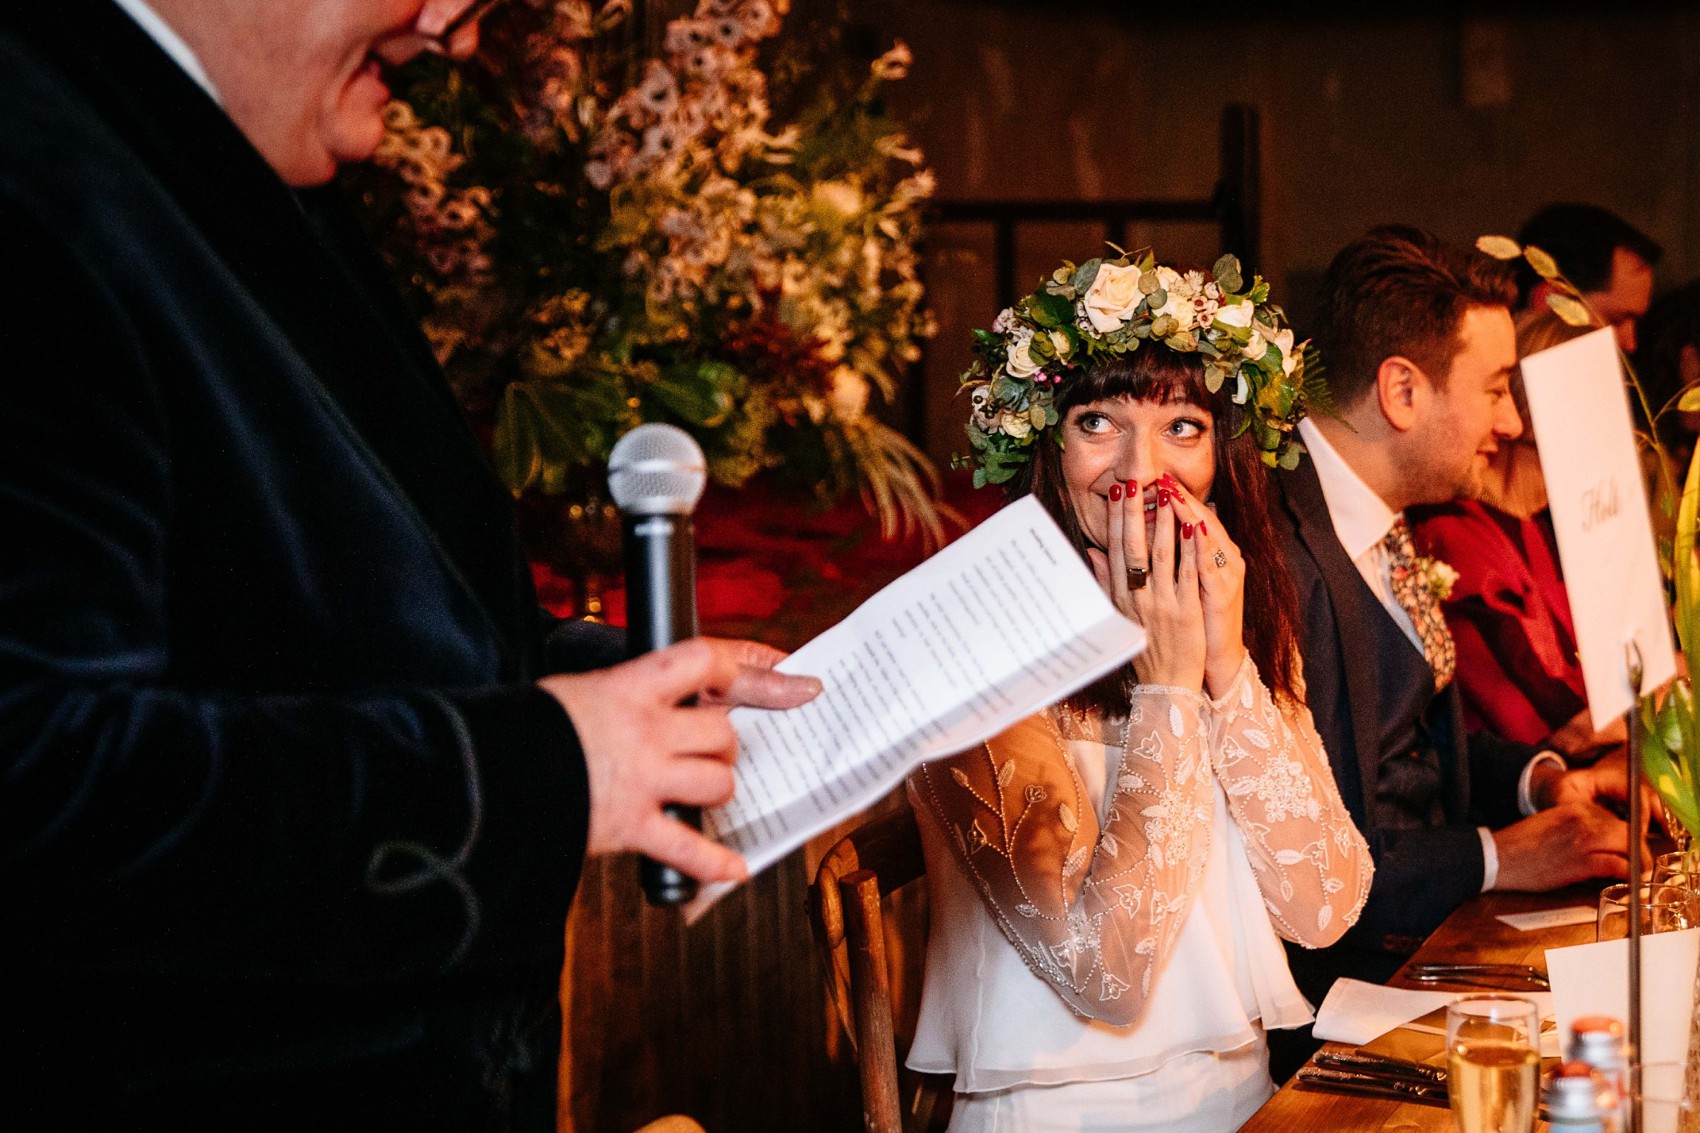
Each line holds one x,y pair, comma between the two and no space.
1609,260
1668,362
1518,671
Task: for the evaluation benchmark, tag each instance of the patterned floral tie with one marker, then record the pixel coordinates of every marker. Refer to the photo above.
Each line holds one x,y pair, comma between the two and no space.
1411,590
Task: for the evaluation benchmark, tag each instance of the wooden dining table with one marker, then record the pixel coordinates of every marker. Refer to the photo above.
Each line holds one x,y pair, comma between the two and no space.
1472,934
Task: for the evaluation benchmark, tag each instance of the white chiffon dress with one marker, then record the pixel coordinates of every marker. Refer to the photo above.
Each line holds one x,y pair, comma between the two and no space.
1107,905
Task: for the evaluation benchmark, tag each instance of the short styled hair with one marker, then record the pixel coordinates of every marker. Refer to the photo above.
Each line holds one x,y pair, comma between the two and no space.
1582,238
1401,291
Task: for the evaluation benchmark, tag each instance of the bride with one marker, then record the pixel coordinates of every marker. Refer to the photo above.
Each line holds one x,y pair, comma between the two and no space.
1109,878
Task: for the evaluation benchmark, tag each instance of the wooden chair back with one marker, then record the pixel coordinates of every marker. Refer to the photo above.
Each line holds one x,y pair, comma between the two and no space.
845,908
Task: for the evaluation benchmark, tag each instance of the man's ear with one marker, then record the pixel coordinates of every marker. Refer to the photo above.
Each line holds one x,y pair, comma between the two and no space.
1402,391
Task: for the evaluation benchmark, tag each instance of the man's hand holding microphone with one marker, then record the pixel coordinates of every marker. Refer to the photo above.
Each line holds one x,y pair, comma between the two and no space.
655,734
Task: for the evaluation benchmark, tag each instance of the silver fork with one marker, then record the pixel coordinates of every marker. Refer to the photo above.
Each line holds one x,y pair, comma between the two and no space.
1475,974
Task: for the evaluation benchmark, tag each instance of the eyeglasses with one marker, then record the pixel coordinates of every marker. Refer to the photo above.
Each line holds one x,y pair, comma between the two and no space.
439,43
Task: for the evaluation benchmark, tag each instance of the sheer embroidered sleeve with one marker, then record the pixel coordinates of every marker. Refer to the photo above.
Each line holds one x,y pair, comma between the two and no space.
1311,863
1093,908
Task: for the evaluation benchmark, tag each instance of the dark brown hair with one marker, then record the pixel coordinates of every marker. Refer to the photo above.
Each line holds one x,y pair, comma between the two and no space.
1401,291
1239,492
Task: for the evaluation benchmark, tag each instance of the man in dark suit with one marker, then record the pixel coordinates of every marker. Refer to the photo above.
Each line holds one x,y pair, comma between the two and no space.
1419,348
295,780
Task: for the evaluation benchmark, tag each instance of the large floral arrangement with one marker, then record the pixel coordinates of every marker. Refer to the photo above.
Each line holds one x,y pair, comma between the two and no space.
597,241
1114,306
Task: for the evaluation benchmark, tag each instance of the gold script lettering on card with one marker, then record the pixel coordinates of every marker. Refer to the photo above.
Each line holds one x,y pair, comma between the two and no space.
1599,503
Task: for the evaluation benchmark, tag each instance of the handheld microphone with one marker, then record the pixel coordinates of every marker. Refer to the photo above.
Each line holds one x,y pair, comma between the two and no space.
656,474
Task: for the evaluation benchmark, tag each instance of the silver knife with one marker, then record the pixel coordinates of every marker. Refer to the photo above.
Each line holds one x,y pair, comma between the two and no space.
1358,1061
1380,1086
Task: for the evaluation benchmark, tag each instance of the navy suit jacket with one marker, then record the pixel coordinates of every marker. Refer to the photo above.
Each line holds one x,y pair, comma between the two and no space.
285,824
1425,871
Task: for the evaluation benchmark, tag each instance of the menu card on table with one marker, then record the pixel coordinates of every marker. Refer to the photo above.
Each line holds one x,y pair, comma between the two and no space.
998,625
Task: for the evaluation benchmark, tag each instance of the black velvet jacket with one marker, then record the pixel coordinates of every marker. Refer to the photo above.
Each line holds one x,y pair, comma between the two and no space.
1417,803
286,829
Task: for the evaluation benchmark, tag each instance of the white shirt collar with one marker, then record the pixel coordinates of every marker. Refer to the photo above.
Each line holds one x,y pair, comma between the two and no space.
1361,519
170,42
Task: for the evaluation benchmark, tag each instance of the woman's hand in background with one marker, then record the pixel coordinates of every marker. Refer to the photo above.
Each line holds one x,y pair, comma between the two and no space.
1168,606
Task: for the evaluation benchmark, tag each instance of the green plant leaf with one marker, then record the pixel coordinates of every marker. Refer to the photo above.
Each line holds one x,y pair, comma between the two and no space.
1544,265
514,449
1499,247
1570,310
1690,401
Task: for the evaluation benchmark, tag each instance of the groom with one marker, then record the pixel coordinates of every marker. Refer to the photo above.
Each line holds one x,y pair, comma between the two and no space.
1418,342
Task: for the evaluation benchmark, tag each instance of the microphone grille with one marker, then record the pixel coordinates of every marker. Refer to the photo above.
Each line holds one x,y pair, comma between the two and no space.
656,469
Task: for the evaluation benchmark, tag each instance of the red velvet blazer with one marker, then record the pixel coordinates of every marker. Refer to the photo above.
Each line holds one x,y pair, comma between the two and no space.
1517,665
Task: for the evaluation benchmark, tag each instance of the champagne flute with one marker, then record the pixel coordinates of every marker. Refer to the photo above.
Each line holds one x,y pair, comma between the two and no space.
1493,1063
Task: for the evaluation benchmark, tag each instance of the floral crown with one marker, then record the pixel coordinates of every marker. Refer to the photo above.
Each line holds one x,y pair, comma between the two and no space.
1107,307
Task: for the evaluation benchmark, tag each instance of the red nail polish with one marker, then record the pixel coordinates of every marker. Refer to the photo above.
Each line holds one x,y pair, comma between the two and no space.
1162,497
1202,529
1186,531
1115,492
1132,486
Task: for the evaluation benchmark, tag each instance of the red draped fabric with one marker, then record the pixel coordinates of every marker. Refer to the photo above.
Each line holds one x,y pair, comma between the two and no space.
1510,616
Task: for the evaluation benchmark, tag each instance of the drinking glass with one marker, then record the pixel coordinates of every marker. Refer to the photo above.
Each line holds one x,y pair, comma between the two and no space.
1671,869
1493,1063
1664,908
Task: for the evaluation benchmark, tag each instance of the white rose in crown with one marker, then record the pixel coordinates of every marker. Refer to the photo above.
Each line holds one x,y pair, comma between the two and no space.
1110,301
1015,424
1283,340
1020,363
1237,315
1179,293
1262,338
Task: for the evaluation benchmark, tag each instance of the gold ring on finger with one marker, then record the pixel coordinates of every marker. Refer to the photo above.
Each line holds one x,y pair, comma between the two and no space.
1136,577
1220,558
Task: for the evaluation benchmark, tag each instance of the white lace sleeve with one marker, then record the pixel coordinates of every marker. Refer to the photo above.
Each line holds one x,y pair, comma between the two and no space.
1092,910
1311,863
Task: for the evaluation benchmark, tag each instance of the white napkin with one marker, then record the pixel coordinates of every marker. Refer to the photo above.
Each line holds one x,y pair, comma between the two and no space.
1356,1012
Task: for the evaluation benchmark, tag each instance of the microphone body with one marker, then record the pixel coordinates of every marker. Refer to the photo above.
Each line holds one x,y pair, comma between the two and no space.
661,608
656,474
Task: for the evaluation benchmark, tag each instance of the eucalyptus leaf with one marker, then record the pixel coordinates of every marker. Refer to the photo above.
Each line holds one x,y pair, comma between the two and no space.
1499,247
1568,309
1545,266
1084,275
1227,273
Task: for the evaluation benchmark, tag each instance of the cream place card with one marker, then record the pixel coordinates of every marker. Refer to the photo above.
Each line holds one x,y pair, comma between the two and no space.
1593,979
1582,425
